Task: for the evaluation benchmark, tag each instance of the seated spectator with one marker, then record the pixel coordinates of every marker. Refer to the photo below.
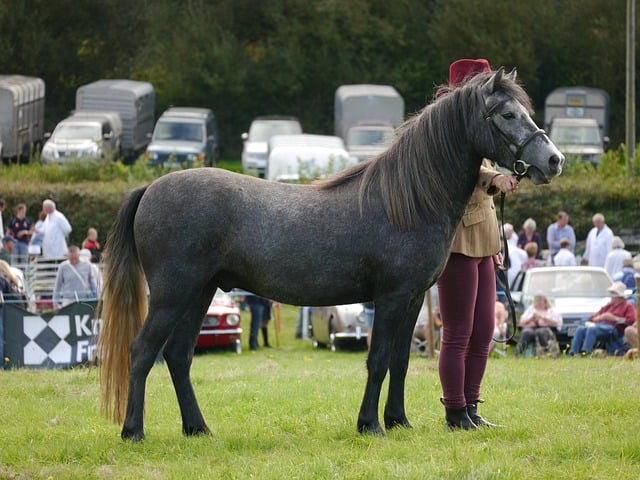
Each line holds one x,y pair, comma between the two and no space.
75,280
92,244
565,257
610,321
536,323
500,326
8,243
510,235
532,256
627,276
529,234
631,335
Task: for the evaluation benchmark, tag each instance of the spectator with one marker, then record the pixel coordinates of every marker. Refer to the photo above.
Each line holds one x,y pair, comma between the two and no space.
556,232
75,280
510,235
35,247
627,276
467,287
260,310
500,327
531,250
599,242
56,228
529,234
615,258
6,252
565,257
21,228
612,319
536,323
517,256
631,335
3,204
85,256
93,245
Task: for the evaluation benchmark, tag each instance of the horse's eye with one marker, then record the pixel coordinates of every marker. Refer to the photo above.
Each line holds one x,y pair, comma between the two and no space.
508,116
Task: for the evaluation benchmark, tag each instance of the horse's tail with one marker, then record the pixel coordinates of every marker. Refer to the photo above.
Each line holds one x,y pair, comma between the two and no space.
123,309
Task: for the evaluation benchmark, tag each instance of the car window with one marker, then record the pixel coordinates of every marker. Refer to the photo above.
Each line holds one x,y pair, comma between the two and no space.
572,283
263,131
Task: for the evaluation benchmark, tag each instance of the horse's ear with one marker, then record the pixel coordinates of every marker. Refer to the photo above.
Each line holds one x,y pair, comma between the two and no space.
495,79
512,74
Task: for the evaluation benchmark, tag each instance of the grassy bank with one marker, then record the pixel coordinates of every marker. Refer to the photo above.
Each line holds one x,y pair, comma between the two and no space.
290,412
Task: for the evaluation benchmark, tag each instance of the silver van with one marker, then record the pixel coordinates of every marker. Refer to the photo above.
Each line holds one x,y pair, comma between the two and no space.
184,136
84,135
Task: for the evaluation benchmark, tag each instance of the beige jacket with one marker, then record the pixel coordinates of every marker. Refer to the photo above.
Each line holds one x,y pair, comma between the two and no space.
477,234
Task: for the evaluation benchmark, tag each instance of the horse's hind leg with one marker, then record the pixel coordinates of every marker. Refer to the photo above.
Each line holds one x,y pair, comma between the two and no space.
178,353
144,351
394,412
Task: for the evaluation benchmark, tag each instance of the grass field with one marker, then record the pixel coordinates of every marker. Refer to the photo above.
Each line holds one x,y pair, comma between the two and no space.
290,412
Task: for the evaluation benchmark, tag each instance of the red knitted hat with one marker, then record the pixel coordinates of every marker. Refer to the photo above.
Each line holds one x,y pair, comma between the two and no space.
466,67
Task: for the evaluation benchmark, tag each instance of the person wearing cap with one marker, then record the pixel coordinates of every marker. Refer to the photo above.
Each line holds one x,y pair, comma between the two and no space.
467,286
8,243
610,321
615,258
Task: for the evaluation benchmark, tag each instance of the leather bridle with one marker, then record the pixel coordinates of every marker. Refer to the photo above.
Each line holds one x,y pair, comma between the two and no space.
520,167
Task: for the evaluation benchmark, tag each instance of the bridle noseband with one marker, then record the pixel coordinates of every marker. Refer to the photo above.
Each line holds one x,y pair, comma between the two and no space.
520,167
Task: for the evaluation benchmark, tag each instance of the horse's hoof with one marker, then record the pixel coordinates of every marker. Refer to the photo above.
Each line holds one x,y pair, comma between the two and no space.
196,431
133,435
371,429
390,423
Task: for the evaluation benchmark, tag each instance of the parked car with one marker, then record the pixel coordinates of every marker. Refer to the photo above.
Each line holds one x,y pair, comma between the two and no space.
221,326
575,292
184,136
305,157
255,142
84,135
340,324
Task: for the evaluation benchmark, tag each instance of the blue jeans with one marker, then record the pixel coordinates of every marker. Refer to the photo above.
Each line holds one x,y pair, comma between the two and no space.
586,337
257,315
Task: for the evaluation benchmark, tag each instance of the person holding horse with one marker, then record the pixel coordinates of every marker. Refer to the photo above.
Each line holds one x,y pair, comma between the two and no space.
467,287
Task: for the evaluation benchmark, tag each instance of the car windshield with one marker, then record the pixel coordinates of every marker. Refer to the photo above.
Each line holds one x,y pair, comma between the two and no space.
572,283
191,132
263,131
76,131
370,137
576,135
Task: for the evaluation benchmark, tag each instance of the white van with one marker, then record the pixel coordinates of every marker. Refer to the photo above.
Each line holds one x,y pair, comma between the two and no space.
184,136
305,157
84,135
255,142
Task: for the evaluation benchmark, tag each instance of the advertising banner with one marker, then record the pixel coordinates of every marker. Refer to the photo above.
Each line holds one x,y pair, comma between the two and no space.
59,339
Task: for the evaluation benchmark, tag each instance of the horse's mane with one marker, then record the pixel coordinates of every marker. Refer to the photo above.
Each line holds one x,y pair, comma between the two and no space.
415,175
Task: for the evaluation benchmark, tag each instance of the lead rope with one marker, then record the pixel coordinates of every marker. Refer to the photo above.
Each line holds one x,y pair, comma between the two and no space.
502,271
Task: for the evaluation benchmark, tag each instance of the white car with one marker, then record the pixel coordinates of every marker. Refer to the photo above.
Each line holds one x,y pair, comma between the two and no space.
339,324
575,292
256,140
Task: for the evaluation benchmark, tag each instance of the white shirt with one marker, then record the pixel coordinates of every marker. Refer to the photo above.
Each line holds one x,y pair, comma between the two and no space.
613,262
55,230
598,246
516,257
564,258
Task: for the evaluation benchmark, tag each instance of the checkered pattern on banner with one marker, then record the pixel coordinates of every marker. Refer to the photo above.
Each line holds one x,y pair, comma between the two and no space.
63,338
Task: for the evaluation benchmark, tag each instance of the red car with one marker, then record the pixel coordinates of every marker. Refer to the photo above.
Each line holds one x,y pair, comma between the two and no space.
221,326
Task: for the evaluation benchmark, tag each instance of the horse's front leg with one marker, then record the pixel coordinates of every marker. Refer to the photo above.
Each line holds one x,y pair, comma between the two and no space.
394,412
377,365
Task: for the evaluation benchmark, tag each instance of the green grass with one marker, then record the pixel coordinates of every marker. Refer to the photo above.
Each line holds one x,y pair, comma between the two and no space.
290,412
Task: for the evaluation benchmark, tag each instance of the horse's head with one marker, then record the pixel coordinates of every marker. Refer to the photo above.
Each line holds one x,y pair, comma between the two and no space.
517,142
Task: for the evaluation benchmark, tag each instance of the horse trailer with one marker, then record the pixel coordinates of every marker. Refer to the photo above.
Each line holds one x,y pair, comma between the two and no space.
135,101
21,115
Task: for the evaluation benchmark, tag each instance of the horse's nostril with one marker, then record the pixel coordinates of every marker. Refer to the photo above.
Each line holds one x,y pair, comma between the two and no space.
556,161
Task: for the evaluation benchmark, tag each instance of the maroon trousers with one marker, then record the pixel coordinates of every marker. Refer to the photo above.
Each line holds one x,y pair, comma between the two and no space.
466,296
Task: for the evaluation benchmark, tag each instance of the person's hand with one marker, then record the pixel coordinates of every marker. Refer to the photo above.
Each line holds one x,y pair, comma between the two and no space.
497,261
505,183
